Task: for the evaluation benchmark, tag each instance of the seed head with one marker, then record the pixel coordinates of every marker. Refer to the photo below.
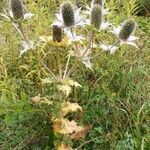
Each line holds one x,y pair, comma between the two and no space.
96,16
68,15
127,30
57,33
99,2
17,9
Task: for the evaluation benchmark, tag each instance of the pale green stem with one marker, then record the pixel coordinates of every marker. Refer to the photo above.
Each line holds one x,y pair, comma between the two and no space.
89,44
51,73
67,64
59,63
69,56
88,47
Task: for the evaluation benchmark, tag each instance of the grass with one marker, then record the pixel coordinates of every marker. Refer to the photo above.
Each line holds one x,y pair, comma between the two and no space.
115,98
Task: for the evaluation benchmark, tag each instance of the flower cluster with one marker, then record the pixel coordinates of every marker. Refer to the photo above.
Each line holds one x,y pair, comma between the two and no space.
71,17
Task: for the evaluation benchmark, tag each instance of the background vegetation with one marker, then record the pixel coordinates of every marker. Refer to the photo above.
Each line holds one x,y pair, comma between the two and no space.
115,98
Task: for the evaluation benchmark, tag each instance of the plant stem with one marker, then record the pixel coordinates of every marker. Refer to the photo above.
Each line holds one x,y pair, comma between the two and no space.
88,47
51,73
24,37
59,63
69,56
89,44
66,68
77,49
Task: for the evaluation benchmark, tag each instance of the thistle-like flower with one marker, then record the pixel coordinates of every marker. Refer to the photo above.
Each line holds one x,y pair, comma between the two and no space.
124,33
68,16
17,9
101,3
96,18
16,12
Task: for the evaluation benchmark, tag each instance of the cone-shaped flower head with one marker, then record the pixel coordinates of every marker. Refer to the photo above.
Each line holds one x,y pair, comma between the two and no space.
99,2
17,9
57,33
96,16
68,14
126,30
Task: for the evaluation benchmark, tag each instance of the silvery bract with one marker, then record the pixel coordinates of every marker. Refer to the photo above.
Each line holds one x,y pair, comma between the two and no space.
68,16
124,33
110,48
72,37
17,9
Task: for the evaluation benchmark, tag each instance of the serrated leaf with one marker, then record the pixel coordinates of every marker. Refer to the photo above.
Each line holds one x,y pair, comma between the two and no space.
70,107
64,126
67,85
65,89
39,100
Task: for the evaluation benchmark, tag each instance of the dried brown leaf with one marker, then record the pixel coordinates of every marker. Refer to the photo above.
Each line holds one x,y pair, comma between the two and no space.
64,126
81,134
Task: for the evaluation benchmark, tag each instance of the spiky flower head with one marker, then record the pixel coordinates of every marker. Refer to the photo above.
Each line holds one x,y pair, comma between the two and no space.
96,16
68,15
99,2
126,30
17,9
57,33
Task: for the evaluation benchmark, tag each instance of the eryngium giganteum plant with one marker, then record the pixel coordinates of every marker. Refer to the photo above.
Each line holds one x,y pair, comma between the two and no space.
17,9
68,14
96,16
126,30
